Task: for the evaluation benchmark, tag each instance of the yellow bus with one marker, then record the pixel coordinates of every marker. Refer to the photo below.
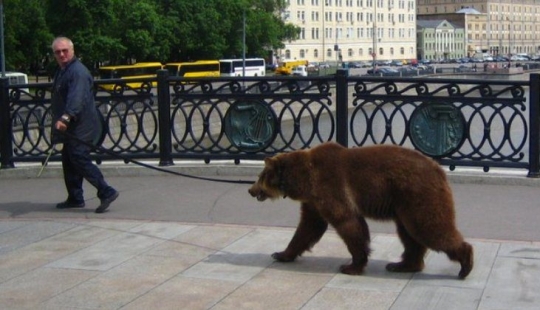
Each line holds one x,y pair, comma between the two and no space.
285,67
200,68
127,72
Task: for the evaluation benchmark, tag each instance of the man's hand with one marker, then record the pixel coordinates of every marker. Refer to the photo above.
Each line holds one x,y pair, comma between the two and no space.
60,126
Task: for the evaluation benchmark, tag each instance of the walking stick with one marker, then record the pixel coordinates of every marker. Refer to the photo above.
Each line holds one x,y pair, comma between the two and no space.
46,161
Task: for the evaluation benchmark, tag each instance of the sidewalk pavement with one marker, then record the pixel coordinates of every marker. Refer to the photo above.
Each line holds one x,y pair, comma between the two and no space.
177,243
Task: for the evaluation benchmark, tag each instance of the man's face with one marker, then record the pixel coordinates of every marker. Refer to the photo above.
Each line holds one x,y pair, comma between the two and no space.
62,52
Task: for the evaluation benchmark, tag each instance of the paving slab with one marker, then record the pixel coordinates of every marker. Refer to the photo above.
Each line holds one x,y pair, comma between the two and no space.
117,264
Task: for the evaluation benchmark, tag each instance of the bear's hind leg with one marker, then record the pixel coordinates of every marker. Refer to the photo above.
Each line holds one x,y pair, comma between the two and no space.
463,254
309,231
355,234
412,259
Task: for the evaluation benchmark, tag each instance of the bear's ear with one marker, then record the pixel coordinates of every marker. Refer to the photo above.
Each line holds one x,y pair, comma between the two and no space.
273,164
270,162
267,161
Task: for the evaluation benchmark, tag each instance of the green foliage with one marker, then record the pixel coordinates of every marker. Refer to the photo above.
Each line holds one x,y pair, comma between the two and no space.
125,31
26,36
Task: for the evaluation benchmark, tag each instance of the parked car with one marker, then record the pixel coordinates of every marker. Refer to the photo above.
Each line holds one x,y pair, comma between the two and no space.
324,65
408,70
464,68
312,67
367,64
518,58
386,71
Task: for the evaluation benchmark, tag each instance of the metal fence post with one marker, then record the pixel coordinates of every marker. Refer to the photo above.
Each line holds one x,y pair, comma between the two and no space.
164,118
534,121
342,100
6,146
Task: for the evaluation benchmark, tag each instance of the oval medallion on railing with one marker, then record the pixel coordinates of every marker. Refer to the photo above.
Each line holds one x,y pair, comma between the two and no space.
251,126
437,129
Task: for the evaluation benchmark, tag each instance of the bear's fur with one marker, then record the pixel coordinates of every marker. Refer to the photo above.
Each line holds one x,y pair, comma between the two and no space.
344,186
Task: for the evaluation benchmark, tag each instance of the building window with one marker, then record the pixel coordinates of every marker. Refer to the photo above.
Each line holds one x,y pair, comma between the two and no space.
350,52
316,53
302,53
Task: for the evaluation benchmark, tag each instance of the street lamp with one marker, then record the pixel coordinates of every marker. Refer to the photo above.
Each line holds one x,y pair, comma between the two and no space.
243,43
2,54
374,54
323,32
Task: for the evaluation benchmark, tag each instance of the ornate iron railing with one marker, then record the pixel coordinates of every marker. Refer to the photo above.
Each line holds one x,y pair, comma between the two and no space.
459,122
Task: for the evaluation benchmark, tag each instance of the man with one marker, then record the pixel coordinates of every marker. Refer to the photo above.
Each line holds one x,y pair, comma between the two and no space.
75,121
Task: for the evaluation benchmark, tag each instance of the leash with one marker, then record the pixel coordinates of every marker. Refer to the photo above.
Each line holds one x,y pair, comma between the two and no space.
134,161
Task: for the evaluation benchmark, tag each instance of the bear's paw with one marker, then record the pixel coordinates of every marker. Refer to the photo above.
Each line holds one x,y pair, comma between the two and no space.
405,267
283,257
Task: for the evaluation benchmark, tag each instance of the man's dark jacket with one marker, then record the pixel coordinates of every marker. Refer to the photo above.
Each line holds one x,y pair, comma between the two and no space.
72,94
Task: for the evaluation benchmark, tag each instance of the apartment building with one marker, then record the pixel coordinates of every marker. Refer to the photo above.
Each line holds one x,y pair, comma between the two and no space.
333,31
440,39
503,27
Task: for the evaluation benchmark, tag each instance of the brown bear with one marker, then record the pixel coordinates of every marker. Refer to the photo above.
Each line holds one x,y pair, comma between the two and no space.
343,186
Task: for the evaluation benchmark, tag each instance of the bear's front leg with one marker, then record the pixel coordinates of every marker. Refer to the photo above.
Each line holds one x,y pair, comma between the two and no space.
309,231
355,234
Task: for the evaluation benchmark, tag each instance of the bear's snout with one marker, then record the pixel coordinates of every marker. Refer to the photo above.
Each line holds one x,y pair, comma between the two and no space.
255,191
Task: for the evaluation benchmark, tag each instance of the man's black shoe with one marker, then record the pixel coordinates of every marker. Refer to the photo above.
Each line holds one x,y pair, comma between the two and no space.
106,202
70,205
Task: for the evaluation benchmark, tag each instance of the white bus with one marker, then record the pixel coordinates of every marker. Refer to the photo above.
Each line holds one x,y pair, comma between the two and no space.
235,67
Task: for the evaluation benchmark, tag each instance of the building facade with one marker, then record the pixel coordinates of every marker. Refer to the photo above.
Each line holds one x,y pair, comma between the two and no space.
440,39
504,27
351,30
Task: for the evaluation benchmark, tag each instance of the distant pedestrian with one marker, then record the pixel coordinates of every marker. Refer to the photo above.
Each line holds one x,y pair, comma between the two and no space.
74,113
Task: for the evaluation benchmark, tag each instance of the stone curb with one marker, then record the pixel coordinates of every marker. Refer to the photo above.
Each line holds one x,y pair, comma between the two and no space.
250,170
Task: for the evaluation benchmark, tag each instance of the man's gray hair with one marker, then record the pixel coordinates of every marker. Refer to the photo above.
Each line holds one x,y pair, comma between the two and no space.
65,39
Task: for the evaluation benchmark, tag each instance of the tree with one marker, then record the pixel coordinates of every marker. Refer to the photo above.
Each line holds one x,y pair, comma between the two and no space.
91,25
123,31
27,38
213,28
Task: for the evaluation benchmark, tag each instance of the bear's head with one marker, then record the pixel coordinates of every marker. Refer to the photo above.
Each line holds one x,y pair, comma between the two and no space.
268,184
284,175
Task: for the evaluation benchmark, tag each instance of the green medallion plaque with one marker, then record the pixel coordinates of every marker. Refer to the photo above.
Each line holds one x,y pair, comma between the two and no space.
250,126
437,129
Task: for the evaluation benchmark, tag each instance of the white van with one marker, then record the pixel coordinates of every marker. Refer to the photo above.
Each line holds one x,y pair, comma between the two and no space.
300,71
18,78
